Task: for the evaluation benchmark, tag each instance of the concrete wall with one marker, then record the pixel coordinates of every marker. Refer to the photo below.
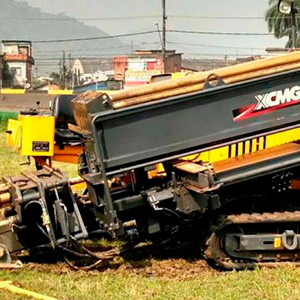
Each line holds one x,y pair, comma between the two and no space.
25,101
173,63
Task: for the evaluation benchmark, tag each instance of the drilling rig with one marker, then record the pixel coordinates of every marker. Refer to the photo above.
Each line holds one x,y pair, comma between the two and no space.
214,155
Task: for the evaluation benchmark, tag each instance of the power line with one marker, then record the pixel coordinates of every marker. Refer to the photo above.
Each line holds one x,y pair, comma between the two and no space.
99,56
88,49
215,46
224,18
213,18
203,55
139,17
46,52
88,60
219,33
94,38
93,59
83,19
153,31
227,54
79,50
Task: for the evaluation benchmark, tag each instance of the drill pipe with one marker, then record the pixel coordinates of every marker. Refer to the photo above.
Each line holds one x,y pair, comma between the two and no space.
197,87
5,197
200,77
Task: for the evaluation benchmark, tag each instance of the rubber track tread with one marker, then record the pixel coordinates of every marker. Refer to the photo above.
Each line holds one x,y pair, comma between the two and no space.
219,259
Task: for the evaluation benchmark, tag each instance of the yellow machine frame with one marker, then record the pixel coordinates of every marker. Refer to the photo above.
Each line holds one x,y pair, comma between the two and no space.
29,130
34,136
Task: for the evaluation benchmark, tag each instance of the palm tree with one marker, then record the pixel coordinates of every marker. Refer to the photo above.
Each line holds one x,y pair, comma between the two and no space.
281,24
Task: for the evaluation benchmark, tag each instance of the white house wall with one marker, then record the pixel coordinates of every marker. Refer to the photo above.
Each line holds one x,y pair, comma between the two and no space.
77,66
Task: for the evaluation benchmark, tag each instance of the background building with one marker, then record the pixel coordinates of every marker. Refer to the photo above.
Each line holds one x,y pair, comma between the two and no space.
18,56
89,70
138,68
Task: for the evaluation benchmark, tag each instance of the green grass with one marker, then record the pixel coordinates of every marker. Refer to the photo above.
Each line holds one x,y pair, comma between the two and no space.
9,159
280,283
11,163
5,116
153,275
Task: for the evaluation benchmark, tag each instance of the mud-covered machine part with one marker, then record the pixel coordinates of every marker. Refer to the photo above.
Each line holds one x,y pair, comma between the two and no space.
6,261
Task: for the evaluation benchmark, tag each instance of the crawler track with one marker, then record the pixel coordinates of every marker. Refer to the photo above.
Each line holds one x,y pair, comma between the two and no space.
217,254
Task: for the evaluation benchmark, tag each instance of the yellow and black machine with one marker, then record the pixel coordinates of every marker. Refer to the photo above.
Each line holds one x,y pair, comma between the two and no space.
210,157
46,136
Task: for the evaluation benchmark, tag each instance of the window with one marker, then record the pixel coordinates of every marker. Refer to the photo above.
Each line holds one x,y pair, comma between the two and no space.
16,71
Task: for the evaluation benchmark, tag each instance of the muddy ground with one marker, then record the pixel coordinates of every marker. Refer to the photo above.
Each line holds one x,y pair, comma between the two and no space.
174,261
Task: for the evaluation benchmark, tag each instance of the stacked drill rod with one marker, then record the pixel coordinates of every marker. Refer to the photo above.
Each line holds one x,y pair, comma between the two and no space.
5,197
196,81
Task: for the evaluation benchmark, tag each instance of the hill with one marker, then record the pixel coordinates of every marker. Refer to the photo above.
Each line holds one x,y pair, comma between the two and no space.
19,21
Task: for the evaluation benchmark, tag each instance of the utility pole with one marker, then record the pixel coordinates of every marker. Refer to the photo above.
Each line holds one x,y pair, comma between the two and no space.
131,47
64,69
294,28
60,73
164,20
70,72
226,60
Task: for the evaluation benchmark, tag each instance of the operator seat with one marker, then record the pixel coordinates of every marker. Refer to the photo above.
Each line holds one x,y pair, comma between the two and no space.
63,112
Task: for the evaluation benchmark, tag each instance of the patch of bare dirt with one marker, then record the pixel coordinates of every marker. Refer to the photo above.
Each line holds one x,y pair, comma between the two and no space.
179,262
168,268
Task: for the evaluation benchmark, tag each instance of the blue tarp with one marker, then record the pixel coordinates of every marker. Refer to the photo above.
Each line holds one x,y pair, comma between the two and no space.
101,85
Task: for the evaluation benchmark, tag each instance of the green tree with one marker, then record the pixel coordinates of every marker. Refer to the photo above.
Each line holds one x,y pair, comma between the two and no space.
6,75
55,77
5,71
281,24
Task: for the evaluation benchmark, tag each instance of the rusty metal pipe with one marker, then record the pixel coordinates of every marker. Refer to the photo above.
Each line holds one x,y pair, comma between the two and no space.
196,87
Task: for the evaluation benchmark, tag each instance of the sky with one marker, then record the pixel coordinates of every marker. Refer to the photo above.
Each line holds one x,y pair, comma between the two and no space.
115,17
